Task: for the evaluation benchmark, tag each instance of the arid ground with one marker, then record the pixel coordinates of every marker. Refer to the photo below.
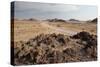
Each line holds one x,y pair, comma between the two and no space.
24,30
43,42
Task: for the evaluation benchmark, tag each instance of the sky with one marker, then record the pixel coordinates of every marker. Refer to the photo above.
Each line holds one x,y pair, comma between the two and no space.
26,10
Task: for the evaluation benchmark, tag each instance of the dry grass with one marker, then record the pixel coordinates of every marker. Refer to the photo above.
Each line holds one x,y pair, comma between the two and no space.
56,48
89,27
24,30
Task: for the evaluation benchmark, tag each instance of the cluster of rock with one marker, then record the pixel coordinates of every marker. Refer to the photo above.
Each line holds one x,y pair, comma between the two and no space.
56,48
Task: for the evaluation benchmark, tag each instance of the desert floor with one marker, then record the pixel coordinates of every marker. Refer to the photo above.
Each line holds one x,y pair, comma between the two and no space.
25,30
43,42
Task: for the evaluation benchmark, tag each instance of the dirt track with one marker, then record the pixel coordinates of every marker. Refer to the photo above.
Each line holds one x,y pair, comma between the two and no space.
58,30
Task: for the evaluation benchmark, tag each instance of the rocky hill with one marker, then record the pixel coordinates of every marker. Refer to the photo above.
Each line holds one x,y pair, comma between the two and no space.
94,20
56,20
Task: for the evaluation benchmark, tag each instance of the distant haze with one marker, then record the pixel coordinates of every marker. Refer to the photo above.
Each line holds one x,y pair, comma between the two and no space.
26,10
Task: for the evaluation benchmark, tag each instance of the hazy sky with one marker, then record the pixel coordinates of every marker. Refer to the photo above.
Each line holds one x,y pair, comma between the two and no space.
24,10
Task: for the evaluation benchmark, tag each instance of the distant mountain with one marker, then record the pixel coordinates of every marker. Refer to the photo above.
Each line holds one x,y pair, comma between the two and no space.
56,20
94,20
32,19
73,20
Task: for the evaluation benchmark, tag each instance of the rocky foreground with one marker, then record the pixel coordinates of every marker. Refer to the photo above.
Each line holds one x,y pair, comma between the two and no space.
56,48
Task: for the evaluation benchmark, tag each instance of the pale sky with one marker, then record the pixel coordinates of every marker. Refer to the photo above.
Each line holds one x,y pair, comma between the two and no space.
25,10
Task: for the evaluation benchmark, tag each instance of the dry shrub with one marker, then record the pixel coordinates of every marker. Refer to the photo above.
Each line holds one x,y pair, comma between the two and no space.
56,48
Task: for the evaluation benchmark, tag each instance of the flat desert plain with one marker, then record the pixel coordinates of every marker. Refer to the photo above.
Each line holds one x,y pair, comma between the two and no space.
26,29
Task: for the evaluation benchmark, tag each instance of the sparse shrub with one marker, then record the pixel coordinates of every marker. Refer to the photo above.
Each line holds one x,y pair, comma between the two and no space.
52,48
